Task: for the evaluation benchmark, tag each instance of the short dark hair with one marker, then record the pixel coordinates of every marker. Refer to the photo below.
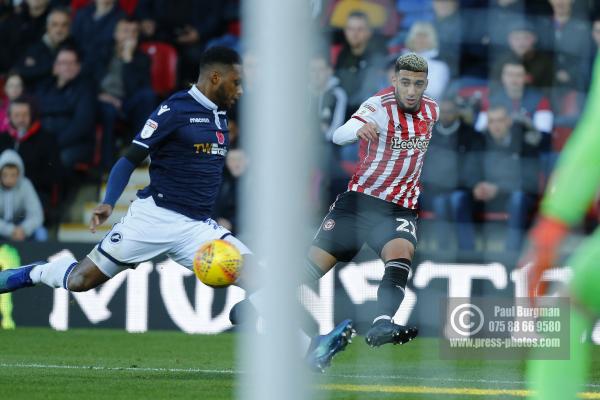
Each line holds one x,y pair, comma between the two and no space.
494,106
58,10
511,61
28,101
219,55
359,14
72,48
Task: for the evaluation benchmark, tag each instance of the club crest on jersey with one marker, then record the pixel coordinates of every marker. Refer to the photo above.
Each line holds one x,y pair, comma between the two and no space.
116,237
328,225
149,128
220,137
425,127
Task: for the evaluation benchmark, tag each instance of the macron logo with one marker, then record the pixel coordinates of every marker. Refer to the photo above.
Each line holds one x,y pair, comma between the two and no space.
163,109
199,121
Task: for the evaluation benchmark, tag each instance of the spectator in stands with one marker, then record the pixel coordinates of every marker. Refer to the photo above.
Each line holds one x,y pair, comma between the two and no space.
444,174
21,215
526,104
93,29
522,40
36,64
569,38
188,26
67,109
360,63
423,40
13,88
475,41
123,78
9,32
448,26
504,175
327,96
501,15
37,148
328,103
32,21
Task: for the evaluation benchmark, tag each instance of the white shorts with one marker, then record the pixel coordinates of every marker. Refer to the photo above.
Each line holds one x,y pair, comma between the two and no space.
148,231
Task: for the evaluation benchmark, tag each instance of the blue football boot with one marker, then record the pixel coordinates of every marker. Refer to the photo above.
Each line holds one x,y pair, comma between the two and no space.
324,347
13,279
386,331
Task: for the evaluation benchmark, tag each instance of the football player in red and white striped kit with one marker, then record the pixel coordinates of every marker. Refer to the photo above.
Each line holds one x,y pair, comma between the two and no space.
379,208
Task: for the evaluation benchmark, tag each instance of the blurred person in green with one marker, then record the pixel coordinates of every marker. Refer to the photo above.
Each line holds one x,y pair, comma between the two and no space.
9,258
571,191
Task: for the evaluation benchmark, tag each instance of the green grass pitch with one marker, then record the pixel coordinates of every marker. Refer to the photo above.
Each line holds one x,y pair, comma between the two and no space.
40,363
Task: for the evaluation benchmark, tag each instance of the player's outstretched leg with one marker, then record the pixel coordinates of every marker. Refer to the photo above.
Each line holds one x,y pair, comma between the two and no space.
64,272
18,278
324,347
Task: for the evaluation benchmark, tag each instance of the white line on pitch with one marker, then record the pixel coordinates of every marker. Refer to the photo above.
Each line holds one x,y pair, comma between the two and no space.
232,372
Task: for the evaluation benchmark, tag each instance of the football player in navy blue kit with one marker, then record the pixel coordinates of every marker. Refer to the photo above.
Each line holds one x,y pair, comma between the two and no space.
186,138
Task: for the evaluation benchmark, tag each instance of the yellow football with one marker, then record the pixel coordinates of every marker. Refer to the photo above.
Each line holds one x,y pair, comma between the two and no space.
218,263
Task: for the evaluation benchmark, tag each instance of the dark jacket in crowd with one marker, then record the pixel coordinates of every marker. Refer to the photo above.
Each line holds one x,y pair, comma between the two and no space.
512,165
205,16
360,76
135,74
68,112
92,35
31,29
39,153
445,166
36,64
9,32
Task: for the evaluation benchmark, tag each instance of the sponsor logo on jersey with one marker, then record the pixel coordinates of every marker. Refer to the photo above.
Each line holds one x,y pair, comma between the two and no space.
199,121
116,237
163,109
328,225
220,137
148,129
409,144
210,148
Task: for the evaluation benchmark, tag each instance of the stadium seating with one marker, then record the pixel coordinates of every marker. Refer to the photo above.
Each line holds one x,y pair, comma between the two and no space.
164,66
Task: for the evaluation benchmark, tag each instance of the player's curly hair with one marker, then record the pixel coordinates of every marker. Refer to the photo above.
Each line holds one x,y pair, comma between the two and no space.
411,62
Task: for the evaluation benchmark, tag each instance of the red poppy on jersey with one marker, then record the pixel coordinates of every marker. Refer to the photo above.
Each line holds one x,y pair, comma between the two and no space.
220,137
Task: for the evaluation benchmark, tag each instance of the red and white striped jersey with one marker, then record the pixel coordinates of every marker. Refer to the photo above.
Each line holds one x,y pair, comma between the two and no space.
389,168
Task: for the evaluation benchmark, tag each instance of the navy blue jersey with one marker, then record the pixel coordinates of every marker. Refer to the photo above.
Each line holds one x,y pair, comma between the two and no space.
188,139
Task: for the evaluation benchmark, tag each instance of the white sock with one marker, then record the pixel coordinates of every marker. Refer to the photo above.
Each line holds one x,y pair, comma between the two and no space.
54,273
382,317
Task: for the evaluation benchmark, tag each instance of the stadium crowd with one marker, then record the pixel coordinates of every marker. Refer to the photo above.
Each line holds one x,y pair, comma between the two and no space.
79,78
